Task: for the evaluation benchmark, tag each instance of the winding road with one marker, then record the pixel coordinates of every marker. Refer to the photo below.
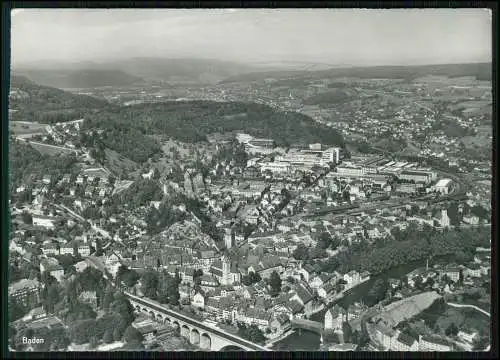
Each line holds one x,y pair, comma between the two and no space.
470,307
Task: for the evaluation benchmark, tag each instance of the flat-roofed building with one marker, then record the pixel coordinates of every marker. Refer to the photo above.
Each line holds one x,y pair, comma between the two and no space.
276,167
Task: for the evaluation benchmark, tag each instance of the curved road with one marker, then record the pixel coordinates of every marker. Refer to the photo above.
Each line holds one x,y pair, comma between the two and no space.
469,306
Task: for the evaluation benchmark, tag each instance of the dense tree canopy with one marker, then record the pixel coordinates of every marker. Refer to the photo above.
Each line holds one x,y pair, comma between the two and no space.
26,162
411,245
191,121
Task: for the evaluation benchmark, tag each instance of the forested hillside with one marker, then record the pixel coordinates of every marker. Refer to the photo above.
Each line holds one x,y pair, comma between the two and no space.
33,102
191,121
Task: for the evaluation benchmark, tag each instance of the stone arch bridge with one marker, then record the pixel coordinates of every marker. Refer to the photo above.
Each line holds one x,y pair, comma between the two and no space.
198,333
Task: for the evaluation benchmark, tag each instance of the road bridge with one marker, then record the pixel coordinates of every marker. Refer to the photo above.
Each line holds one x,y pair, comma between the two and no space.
199,334
309,325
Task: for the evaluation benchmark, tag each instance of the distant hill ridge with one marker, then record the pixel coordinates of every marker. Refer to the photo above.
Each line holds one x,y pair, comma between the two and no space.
482,71
129,71
45,104
80,78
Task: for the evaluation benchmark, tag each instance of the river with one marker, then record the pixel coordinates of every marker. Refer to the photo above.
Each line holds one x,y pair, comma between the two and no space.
311,341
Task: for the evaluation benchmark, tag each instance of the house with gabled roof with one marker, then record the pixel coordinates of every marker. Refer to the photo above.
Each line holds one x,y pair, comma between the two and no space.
334,318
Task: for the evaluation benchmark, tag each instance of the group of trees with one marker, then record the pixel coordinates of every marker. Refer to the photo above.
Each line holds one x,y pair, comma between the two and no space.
112,326
251,278
127,276
331,97
326,241
64,300
251,333
161,286
140,193
415,244
275,283
403,247
159,219
233,151
25,163
302,252
16,309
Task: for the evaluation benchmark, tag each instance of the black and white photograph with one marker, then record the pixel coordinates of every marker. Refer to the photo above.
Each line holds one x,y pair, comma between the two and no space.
217,179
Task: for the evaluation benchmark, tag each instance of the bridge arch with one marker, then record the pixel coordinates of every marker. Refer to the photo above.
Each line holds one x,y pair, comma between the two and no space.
205,341
195,337
176,326
166,320
231,348
185,331
138,308
159,318
152,315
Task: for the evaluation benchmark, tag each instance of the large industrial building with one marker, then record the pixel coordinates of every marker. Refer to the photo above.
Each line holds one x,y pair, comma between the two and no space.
444,186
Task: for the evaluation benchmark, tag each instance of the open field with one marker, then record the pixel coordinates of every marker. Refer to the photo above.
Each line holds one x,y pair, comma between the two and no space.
51,150
118,163
26,128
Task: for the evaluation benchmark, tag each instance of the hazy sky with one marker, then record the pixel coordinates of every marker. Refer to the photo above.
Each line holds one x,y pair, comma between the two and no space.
333,36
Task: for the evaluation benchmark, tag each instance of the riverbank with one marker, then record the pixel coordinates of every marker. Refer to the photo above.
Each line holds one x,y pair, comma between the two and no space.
271,342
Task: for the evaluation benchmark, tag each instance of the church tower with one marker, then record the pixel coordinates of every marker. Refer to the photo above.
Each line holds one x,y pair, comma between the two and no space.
229,238
445,220
226,271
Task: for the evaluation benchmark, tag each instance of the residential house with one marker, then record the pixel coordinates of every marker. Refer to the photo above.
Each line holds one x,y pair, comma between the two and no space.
81,266
45,221
89,191
472,270
52,266
208,282
327,291
89,297
352,278
67,249
307,271
26,291
467,336
247,292
304,296
187,275
394,283
384,335
50,249
36,313
404,342
66,178
280,323
294,307
334,318
148,332
452,272
112,263
198,300
427,343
